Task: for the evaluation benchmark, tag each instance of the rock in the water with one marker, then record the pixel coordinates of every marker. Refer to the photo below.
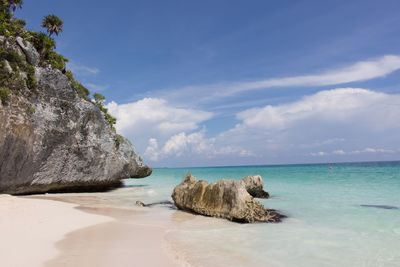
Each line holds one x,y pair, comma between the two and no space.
53,140
255,186
29,50
161,203
224,199
385,207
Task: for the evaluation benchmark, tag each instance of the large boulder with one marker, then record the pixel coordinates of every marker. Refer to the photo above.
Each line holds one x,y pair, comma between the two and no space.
255,186
53,140
227,199
29,50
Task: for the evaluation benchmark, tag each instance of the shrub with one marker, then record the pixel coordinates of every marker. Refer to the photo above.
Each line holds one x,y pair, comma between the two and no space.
69,75
99,102
118,140
31,80
4,74
80,89
12,57
99,98
43,43
4,95
8,26
110,119
56,60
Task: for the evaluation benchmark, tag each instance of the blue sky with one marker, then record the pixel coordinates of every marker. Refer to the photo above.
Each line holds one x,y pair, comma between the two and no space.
240,82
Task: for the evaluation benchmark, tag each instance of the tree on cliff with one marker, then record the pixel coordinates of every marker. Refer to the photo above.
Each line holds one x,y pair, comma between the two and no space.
99,99
53,24
14,4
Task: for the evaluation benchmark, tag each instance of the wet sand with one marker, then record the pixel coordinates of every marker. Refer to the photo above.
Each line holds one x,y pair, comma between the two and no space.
136,237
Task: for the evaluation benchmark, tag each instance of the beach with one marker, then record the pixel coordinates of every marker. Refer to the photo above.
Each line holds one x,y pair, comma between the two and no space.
30,228
338,215
40,231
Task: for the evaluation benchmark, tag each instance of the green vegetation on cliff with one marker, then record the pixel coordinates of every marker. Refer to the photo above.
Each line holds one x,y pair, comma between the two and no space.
4,95
18,71
99,100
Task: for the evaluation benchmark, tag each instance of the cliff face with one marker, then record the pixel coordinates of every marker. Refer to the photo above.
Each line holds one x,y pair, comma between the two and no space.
53,140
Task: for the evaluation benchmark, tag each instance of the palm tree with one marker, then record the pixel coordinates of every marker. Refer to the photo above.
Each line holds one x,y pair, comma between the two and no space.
53,24
14,4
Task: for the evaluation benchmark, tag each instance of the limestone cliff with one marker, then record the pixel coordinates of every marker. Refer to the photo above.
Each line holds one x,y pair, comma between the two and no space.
52,139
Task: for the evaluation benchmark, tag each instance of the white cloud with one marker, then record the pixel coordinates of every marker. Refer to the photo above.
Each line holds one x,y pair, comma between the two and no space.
367,150
152,150
364,122
156,113
332,124
321,153
373,151
369,109
193,144
154,118
339,152
360,71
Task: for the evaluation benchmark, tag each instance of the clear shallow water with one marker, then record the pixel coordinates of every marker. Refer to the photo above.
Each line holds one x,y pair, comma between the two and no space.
327,226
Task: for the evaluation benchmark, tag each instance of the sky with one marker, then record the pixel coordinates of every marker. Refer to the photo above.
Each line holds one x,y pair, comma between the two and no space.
215,82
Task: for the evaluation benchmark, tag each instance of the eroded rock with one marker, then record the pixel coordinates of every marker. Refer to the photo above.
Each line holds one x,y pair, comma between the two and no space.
29,50
255,186
227,199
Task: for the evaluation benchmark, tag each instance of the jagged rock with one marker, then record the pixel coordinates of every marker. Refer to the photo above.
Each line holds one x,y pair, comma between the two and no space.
53,140
224,199
255,186
29,50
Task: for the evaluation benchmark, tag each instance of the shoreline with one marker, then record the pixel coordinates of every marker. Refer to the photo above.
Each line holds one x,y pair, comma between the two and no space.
134,235
30,228
56,230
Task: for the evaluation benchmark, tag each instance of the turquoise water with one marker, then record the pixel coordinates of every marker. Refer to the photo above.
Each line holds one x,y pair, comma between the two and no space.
326,225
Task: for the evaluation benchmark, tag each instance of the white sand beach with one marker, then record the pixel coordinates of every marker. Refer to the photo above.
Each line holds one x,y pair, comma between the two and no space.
44,232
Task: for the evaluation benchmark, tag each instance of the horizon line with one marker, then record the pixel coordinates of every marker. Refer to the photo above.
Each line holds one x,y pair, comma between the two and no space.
283,164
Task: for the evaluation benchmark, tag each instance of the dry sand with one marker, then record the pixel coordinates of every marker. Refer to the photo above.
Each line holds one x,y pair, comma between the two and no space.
29,228
44,232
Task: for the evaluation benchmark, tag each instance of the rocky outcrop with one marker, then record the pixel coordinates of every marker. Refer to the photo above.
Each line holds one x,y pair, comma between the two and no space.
53,140
227,199
32,56
255,186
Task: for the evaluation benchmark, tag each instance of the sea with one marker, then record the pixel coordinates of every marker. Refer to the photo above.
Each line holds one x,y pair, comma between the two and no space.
338,215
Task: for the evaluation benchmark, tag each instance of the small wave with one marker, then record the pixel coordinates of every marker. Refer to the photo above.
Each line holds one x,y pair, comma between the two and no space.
386,207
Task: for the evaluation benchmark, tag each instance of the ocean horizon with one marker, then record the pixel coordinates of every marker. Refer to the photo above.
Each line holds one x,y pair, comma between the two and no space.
282,164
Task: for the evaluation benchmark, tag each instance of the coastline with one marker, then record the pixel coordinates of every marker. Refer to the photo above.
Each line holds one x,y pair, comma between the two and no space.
29,228
57,230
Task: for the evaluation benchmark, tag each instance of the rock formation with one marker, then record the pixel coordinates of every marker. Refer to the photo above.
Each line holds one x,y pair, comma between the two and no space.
51,139
255,186
224,199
